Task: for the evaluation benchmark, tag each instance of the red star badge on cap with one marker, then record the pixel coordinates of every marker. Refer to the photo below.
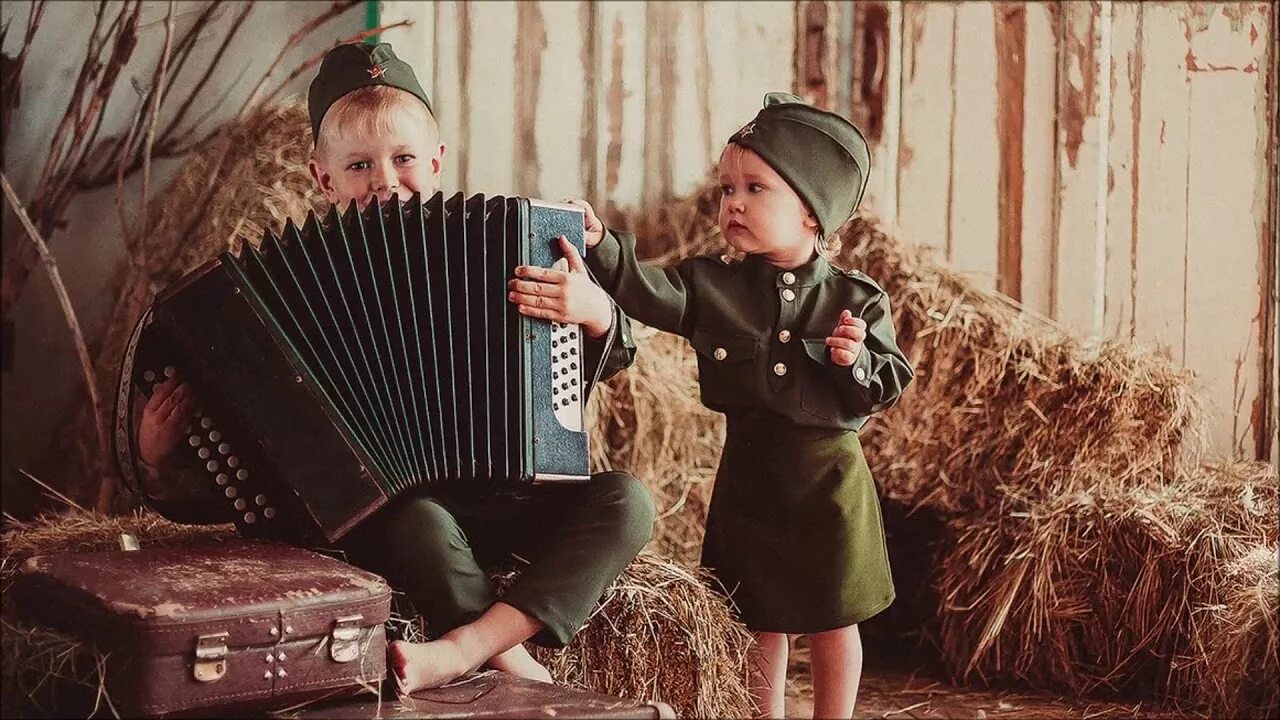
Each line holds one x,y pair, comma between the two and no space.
747,129
376,71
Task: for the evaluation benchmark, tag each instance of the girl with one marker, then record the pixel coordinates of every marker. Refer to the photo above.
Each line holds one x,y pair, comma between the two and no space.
797,354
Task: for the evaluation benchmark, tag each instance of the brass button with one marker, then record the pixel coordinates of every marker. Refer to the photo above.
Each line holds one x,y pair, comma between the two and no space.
784,336
860,374
788,294
788,278
779,369
720,353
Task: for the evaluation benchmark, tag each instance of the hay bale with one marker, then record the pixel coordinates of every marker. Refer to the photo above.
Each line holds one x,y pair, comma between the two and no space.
1104,591
1236,639
649,421
660,633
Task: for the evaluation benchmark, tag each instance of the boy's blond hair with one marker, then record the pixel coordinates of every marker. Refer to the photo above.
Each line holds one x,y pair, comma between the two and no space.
371,108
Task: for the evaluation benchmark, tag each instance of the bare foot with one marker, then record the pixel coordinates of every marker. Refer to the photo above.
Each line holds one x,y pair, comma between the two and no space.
419,666
518,661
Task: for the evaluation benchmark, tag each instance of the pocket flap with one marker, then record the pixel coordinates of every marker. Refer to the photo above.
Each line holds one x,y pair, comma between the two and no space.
817,350
724,347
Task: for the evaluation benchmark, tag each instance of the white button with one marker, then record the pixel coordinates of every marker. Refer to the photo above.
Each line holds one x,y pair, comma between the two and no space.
788,278
779,369
169,371
149,375
784,336
221,479
206,423
721,353
860,374
788,294
725,259
269,513
241,504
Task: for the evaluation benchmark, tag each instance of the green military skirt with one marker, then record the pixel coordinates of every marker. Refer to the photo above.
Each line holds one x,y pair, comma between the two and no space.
794,532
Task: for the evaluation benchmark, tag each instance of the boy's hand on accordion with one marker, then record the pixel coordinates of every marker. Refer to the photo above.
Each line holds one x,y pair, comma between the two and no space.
164,420
846,340
592,228
563,293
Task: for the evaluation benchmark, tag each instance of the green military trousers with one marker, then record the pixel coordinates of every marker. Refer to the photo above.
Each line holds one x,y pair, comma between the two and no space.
576,539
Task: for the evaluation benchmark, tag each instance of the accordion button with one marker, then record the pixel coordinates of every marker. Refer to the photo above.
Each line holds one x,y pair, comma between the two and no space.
270,658
242,474
206,423
780,369
784,336
224,448
231,491
574,398
241,504
573,350
573,366
211,466
203,453
215,436
221,479
269,513
233,461
267,674
169,371
195,440
260,499
721,353
149,376
280,672
250,518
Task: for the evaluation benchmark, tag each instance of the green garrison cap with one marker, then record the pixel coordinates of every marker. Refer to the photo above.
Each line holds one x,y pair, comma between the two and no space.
356,65
821,154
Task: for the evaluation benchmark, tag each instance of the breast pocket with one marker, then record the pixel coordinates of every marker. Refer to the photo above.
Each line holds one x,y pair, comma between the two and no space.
819,395
726,363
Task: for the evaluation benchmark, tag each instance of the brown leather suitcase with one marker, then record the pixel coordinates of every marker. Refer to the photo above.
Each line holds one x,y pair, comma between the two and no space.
487,694
214,625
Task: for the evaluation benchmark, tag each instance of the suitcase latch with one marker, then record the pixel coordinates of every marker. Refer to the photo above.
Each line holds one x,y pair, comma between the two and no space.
211,657
344,645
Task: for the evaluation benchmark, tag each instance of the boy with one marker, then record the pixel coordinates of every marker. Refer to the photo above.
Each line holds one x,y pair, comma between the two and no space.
375,136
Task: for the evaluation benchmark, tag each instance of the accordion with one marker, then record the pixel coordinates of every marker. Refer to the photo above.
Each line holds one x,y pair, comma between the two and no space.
346,360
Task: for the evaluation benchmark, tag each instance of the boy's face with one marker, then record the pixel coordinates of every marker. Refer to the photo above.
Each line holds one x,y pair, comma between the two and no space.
402,156
759,212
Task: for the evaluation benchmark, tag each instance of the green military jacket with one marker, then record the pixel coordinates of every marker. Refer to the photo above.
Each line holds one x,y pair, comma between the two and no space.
760,331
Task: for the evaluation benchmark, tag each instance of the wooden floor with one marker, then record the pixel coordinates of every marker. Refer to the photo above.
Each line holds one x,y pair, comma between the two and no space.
903,695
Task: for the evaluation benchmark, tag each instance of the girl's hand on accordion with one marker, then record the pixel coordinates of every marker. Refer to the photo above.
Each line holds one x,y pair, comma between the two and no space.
592,228
563,293
164,420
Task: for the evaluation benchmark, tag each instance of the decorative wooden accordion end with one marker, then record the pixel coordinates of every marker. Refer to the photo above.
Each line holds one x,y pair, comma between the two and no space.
360,355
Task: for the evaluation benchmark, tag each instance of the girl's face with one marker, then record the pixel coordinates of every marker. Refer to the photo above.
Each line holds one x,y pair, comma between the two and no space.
759,212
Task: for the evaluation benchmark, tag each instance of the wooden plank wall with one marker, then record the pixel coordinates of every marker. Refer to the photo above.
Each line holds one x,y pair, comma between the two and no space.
620,102
1105,163
1108,164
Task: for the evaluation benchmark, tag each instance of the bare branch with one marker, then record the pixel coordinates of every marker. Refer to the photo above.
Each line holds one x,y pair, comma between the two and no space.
337,8
155,116
82,350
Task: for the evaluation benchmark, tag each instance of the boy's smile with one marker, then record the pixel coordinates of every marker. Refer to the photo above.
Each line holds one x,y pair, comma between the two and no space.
395,152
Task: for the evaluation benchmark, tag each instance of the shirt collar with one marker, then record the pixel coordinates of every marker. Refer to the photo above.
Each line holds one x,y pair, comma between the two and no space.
807,275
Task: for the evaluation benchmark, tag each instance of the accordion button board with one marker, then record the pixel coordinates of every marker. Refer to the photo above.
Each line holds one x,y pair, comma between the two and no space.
373,351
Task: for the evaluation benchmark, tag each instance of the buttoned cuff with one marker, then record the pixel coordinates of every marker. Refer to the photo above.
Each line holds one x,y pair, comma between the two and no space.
861,368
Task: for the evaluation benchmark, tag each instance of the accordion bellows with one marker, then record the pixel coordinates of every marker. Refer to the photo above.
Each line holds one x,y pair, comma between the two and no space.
354,357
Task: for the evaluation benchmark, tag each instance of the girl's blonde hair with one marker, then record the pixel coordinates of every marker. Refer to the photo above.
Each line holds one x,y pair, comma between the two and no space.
371,107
